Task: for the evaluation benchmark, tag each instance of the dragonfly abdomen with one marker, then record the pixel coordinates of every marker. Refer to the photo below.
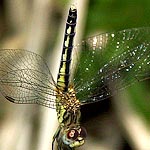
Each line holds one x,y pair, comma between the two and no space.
64,69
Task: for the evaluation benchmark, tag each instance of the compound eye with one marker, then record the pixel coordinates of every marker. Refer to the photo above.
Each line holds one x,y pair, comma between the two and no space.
72,134
83,132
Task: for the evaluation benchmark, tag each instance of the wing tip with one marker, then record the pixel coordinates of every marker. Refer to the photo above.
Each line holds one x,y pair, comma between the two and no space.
10,99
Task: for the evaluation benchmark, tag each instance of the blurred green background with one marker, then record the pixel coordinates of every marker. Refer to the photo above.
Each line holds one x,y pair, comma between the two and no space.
39,25
110,15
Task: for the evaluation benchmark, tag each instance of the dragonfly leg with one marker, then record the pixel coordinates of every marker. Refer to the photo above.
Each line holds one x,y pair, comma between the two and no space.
55,137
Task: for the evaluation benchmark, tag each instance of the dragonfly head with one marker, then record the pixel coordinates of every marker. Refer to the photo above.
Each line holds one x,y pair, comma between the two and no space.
74,136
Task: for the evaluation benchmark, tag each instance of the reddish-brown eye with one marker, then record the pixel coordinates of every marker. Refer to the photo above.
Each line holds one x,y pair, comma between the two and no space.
72,134
83,132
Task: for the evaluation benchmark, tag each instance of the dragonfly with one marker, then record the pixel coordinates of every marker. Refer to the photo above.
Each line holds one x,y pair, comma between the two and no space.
106,64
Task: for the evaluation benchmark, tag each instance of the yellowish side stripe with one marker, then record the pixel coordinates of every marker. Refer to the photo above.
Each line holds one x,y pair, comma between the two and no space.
61,79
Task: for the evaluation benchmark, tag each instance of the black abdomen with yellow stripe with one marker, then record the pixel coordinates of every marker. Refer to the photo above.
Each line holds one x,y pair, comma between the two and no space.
64,70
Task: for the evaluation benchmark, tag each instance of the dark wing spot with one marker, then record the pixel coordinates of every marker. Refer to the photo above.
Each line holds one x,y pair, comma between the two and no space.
10,99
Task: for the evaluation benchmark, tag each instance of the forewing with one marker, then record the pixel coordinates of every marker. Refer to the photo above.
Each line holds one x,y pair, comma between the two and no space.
110,62
25,78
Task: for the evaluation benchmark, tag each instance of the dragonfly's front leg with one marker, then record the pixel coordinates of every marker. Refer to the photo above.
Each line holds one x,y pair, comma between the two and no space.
55,137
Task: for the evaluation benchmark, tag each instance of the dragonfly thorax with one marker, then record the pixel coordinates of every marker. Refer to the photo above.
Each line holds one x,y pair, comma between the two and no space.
68,107
70,134
68,100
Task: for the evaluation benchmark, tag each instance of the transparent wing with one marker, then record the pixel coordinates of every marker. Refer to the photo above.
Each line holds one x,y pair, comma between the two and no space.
25,78
110,62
